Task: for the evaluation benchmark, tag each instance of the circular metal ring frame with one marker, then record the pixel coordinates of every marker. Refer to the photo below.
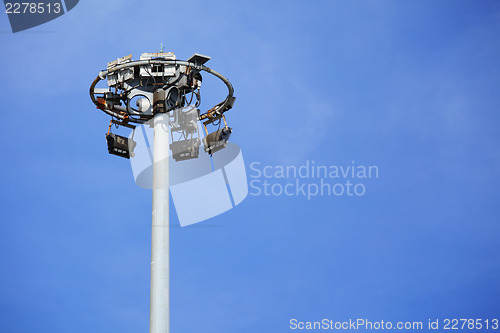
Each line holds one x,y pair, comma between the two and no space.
212,114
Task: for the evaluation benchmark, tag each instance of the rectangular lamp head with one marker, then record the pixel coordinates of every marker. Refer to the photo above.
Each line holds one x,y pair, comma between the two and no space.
120,145
199,59
185,149
217,140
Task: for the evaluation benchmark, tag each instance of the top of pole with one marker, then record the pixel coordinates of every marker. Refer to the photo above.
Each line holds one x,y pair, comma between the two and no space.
127,79
158,82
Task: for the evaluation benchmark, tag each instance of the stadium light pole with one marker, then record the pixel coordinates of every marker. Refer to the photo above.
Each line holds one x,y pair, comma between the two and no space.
163,83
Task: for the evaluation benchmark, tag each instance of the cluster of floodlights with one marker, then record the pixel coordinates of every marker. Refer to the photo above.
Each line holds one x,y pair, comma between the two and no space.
159,83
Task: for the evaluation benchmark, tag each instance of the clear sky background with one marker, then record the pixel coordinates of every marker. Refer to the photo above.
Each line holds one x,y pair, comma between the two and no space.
409,86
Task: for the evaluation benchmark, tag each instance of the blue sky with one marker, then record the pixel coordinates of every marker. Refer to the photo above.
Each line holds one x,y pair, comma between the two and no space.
411,87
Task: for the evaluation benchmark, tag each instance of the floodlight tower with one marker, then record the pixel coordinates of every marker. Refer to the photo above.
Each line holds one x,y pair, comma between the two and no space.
163,89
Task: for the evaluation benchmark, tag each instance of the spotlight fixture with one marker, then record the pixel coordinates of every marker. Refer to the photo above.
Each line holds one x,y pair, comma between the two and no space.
185,149
120,145
217,140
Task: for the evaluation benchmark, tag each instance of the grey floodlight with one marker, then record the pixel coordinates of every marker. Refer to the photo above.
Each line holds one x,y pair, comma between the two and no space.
199,59
120,145
217,140
185,149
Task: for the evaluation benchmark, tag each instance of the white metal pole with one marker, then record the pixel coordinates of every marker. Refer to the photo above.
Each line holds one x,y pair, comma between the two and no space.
159,318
